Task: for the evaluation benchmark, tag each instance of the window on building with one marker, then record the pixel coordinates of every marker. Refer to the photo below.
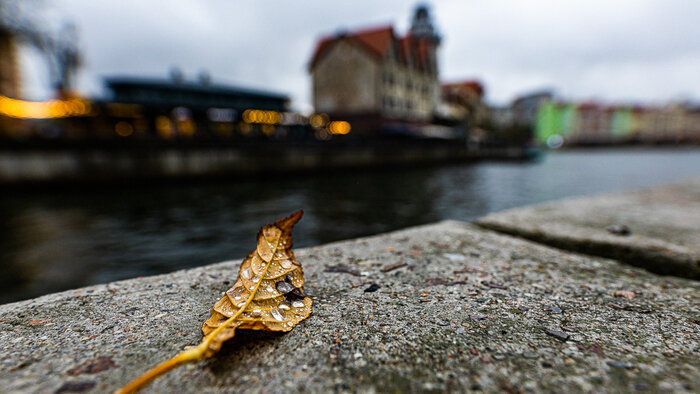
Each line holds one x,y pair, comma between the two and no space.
391,103
388,78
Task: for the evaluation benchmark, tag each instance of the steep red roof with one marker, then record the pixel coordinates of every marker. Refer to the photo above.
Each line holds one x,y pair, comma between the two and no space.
321,47
639,109
589,106
375,40
378,41
465,86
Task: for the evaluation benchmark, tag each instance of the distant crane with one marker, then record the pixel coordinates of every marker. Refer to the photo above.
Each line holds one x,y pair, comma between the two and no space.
59,49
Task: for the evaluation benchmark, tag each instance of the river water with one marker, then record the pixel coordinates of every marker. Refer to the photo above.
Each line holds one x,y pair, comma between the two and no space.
53,240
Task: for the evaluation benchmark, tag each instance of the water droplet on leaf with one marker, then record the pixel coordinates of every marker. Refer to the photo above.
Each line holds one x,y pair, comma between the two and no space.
284,287
286,264
277,314
236,293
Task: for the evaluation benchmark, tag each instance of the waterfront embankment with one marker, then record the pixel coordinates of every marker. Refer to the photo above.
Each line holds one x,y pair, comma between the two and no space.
458,307
134,163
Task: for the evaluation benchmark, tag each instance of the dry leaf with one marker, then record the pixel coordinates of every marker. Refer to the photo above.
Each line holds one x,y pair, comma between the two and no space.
268,295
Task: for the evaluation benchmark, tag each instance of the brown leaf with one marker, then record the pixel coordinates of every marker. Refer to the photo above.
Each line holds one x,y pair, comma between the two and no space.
268,295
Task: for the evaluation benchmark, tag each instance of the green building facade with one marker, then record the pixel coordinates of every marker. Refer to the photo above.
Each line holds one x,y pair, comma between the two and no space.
555,119
565,120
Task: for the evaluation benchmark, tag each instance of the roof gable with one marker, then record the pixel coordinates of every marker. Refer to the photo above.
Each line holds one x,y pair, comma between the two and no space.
378,42
464,87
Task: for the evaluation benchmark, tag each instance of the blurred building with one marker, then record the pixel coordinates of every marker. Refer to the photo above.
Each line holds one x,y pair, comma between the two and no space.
523,110
521,113
516,122
9,68
10,78
464,101
196,95
373,77
177,107
593,123
675,122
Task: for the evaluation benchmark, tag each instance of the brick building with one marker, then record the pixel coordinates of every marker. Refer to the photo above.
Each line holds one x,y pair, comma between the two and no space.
375,77
465,101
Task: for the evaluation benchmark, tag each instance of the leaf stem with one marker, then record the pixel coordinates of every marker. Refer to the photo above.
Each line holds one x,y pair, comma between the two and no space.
187,356
190,355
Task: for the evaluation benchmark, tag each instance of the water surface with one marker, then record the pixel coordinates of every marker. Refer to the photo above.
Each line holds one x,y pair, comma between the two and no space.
55,240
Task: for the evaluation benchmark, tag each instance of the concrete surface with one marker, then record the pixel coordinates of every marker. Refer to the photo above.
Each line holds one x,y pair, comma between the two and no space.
663,224
457,308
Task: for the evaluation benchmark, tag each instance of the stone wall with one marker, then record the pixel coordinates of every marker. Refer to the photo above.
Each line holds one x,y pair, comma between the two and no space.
37,166
344,80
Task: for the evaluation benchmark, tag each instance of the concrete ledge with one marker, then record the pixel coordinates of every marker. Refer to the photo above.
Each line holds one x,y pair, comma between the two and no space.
470,310
664,225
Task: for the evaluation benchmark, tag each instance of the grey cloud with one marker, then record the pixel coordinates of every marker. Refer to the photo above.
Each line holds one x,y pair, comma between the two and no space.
579,47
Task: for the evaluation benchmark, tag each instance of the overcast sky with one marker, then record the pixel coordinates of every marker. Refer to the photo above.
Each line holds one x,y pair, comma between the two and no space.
611,50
